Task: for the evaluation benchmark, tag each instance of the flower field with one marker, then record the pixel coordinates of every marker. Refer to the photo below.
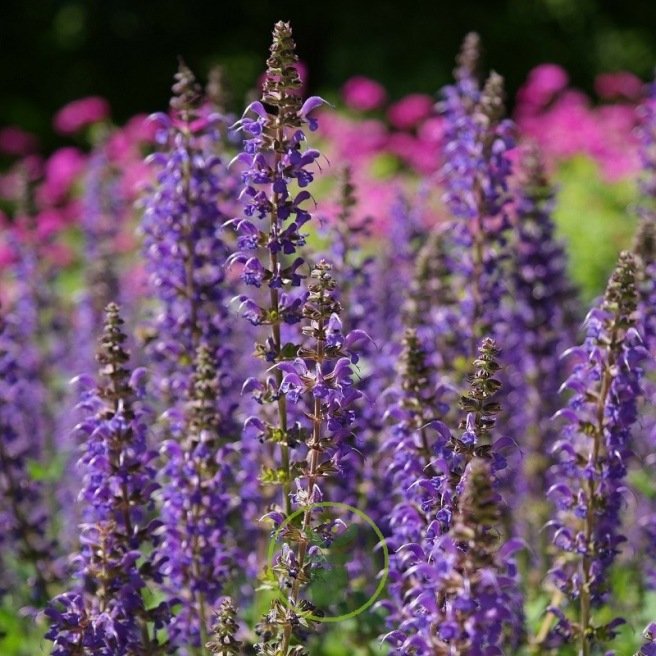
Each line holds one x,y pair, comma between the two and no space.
333,378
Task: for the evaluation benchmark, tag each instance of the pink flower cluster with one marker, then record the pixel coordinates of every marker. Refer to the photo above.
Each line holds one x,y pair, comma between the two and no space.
58,180
389,146
565,123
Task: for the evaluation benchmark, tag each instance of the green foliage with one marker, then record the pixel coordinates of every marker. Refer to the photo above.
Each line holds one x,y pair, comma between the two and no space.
19,635
594,218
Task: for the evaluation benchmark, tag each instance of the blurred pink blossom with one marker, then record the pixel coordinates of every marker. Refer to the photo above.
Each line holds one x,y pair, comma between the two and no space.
80,113
564,122
136,176
432,130
611,86
543,83
351,140
406,113
363,93
61,255
125,143
15,141
421,156
61,171
49,222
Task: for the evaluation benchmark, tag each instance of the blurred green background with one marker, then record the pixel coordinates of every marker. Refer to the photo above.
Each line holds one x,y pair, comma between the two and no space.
126,50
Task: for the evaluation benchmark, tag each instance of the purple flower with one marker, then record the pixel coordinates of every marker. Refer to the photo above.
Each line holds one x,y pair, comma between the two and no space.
27,533
593,455
432,605
184,244
542,325
105,612
320,381
274,164
196,543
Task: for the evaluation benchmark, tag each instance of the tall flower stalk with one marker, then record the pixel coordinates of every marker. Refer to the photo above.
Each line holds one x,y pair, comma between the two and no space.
476,173
543,325
102,213
432,507
105,612
199,551
224,641
275,163
27,525
593,455
320,378
479,587
184,243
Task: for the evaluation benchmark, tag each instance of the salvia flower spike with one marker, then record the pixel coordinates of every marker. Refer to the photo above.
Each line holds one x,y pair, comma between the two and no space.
24,514
196,544
593,456
224,641
184,245
105,612
321,379
275,163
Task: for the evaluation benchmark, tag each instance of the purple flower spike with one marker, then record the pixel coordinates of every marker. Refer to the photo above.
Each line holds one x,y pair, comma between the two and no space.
26,531
105,612
544,321
593,458
273,164
196,545
184,247
442,598
320,381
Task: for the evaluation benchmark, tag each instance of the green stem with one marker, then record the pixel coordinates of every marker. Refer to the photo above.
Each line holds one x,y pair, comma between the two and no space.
314,446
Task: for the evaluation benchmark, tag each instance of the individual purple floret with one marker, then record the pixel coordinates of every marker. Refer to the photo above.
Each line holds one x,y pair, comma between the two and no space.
589,478
183,242
649,647
197,543
105,612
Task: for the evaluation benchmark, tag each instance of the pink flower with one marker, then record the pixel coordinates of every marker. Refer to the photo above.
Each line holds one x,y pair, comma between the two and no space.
15,141
61,255
409,111
124,144
140,129
543,83
419,155
78,114
136,177
49,222
432,130
352,140
61,171
363,94
624,85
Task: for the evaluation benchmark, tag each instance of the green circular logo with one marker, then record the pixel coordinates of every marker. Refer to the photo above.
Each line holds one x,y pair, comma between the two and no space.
367,520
